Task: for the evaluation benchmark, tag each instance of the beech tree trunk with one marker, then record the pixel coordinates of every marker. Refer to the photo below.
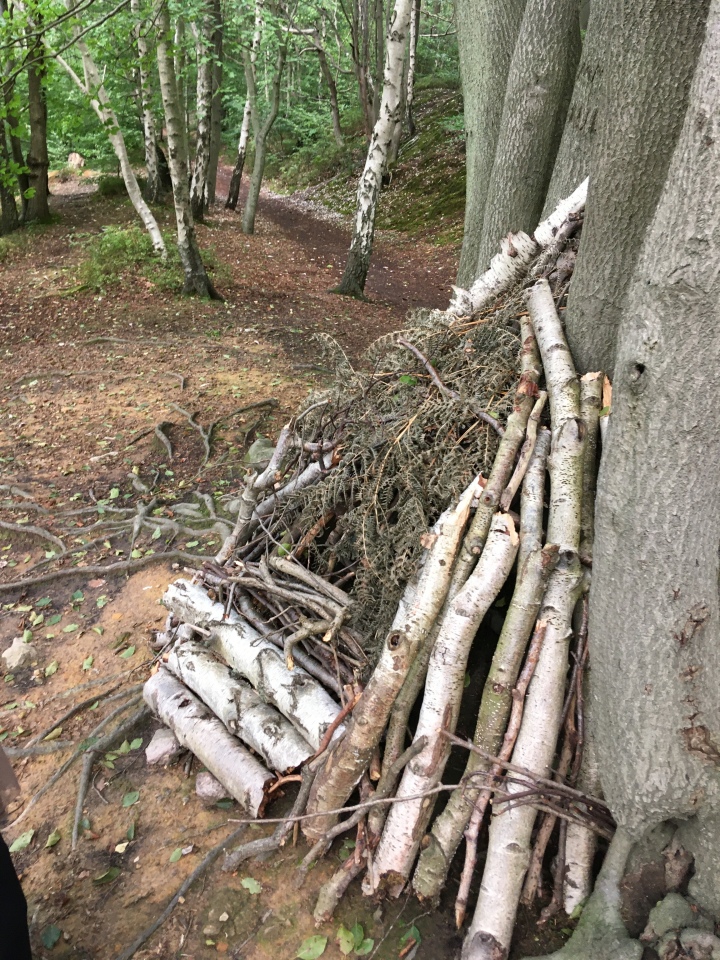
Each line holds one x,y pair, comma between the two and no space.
203,46
644,95
654,603
538,93
487,32
37,157
358,263
576,150
261,132
196,279
153,186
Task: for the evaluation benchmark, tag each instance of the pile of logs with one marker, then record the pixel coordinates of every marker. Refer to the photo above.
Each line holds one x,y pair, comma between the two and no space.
265,672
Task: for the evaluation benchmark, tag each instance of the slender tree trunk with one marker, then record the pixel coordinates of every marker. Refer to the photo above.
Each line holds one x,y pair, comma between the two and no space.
332,93
196,279
358,263
235,180
8,88
37,158
654,602
153,187
412,57
538,93
577,146
94,88
261,131
203,45
9,219
216,113
360,47
644,94
379,58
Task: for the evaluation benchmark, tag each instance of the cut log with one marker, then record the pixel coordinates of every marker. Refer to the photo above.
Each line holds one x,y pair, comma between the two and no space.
239,707
407,821
297,695
349,759
242,775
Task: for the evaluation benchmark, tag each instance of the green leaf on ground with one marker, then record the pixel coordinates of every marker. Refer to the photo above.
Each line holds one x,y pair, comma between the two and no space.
130,798
345,940
312,948
88,662
126,654
43,602
176,855
51,668
55,618
251,885
136,743
54,734
70,628
365,947
53,839
358,934
23,841
101,601
112,874
50,936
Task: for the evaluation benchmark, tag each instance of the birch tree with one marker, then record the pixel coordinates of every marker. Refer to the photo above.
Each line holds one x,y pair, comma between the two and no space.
203,32
196,278
236,178
153,187
358,262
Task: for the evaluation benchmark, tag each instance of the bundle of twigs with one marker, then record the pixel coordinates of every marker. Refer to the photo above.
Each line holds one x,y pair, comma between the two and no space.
271,626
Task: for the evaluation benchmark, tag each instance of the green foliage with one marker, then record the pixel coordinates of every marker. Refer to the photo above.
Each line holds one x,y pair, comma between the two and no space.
121,252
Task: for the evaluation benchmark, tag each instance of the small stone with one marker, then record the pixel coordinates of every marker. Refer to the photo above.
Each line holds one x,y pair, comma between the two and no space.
209,789
224,916
163,747
211,930
19,654
259,453
672,913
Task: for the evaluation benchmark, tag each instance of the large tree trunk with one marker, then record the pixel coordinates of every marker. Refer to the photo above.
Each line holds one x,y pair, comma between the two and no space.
37,157
196,279
538,93
358,263
574,156
654,603
153,187
487,32
261,131
216,112
654,46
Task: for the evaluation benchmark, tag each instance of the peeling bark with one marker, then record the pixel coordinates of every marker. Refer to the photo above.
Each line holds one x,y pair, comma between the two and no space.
244,777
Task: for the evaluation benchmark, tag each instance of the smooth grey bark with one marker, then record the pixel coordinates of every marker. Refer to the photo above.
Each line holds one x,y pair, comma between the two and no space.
260,132
412,58
572,163
487,32
654,602
539,84
203,47
216,112
196,278
153,187
37,156
653,49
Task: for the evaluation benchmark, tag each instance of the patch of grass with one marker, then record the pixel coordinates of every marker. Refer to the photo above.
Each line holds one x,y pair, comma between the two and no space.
119,253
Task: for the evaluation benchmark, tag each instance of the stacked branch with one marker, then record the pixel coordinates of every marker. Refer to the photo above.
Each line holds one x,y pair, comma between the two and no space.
349,589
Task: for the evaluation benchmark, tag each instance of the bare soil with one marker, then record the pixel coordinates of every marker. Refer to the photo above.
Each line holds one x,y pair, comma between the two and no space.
86,377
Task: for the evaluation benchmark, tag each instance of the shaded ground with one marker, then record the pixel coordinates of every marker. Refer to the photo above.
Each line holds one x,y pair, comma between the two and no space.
86,378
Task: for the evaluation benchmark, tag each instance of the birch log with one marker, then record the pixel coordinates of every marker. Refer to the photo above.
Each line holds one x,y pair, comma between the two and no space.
348,760
517,251
407,821
239,707
496,703
297,695
244,777
510,832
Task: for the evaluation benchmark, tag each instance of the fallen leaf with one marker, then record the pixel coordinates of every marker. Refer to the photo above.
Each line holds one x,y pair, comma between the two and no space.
130,798
51,668
96,583
312,948
126,654
50,936
54,734
52,839
23,841
112,874
176,855
252,886
121,847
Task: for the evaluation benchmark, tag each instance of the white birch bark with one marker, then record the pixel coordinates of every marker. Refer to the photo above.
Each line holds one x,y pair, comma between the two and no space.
358,263
297,695
347,762
203,97
94,88
412,58
517,252
236,178
406,822
152,188
244,777
196,279
511,828
239,707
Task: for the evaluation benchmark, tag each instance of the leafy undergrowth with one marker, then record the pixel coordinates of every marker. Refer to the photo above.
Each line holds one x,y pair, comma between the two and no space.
426,194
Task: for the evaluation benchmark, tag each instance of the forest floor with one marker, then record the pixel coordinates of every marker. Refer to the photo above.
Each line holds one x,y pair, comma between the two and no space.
87,376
